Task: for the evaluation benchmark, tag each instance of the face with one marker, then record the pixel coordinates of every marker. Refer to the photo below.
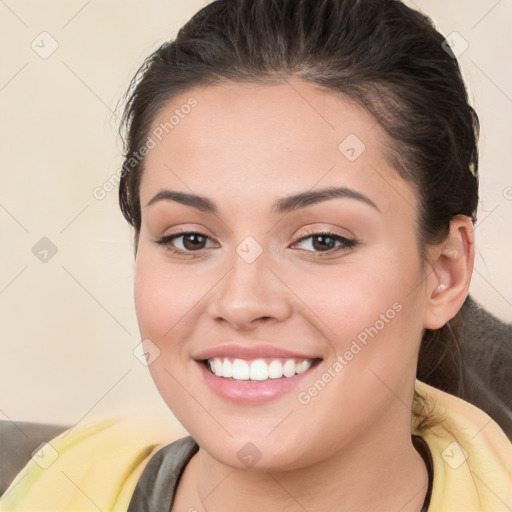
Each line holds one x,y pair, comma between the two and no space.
313,303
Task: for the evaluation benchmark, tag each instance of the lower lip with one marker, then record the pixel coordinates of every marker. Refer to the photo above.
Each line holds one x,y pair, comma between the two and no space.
250,391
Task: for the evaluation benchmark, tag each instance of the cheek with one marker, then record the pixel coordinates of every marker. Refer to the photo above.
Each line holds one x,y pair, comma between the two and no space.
165,296
373,314
374,329
355,296
164,303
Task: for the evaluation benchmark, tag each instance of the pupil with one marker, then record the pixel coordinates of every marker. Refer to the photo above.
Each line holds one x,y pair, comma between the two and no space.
322,243
192,237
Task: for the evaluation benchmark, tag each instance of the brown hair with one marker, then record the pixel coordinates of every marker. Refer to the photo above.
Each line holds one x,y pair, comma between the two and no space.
382,54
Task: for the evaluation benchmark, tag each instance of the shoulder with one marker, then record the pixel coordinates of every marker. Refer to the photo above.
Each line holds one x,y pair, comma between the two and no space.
94,465
472,456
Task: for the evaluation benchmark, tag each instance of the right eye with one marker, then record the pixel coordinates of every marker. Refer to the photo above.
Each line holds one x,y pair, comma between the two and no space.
192,242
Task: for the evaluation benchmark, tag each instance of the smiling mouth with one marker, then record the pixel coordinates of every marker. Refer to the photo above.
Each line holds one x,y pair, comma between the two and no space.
257,370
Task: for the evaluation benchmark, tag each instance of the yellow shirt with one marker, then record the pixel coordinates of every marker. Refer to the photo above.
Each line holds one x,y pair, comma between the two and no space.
95,466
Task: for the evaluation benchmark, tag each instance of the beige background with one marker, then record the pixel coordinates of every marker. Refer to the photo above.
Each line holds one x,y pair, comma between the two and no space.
68,325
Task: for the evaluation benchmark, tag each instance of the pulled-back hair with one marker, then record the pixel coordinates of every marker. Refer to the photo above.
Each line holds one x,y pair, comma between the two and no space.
388,58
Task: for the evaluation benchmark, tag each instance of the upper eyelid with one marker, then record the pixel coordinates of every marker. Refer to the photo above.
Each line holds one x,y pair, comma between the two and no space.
310,232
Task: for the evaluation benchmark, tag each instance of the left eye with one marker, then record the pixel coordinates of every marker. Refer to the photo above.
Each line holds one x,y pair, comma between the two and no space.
193,241
328,239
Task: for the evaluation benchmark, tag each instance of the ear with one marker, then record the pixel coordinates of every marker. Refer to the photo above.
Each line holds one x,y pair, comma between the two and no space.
449,278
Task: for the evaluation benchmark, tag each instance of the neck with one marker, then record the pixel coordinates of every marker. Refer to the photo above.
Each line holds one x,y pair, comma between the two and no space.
380,471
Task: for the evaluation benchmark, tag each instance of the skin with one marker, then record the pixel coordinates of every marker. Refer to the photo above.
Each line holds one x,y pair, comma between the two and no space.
244,146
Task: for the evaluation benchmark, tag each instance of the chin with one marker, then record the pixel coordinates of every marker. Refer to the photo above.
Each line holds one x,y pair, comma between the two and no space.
256,453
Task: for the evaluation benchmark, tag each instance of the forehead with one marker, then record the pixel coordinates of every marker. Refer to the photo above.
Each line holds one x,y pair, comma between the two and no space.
274,139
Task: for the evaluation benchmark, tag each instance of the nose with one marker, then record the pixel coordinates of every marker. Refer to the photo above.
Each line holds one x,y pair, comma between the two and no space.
249,294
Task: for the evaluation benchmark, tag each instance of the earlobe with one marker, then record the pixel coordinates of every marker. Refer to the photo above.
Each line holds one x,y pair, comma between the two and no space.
450,277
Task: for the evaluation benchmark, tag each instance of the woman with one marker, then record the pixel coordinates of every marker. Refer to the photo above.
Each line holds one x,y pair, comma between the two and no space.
302,178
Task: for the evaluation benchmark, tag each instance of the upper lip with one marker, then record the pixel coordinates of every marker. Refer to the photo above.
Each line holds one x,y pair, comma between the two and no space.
253,351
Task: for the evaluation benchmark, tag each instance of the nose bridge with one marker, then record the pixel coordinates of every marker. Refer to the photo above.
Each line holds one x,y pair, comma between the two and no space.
250,290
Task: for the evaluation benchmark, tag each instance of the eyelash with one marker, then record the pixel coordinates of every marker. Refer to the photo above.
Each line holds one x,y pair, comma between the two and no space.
347,243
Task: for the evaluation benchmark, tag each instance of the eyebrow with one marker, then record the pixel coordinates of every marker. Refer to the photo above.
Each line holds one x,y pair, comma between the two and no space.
281,206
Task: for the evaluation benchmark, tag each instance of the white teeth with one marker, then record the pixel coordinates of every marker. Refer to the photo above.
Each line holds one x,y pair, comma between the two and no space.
240,369
275,369
302,366
227,369
217,366
289,368
259,370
